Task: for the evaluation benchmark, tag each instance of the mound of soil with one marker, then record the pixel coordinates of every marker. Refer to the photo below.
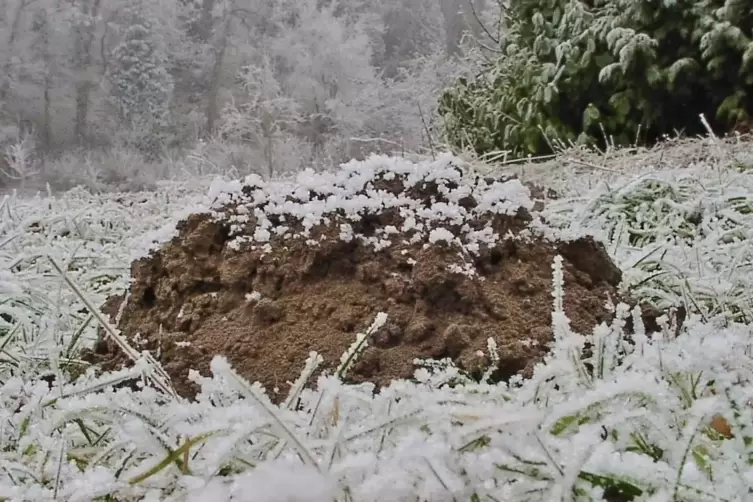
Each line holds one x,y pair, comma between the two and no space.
278,271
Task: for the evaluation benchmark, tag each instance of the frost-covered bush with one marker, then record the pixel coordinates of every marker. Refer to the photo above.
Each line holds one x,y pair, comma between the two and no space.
333,82
117,169
637,69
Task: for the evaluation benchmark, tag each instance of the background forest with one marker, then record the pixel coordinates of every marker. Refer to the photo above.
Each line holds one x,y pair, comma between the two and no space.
91,89
119,93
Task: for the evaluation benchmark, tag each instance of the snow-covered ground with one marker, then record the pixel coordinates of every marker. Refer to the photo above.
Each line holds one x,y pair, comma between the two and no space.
677,219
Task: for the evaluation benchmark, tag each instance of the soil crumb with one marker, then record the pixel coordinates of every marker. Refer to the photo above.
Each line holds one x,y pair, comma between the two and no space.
277,270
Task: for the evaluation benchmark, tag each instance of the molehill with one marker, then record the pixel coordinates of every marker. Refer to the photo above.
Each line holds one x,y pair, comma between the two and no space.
276,270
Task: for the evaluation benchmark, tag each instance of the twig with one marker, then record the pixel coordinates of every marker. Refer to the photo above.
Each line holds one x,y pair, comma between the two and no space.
428,134
161,380
594,166
483,26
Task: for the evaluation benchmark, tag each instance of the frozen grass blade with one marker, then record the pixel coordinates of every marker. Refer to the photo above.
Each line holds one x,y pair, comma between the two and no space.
221,368
362,340
310,366
161,380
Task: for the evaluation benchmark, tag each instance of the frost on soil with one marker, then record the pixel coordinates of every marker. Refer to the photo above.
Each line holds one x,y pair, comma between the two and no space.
446,254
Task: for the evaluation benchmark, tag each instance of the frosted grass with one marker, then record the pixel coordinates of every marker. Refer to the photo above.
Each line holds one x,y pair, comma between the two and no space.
677,219
633,418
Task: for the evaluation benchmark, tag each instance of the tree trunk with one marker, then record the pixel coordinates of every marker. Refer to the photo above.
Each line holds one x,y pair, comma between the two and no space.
268,147
46,133
46,125
212,111
83,57
452,26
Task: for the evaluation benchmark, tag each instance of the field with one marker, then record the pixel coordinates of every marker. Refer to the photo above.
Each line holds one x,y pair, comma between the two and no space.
658,417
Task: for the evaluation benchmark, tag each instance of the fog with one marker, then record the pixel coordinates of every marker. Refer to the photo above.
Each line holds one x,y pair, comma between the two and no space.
119,93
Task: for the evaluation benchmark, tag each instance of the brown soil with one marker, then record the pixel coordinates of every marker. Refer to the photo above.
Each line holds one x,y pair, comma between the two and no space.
190,299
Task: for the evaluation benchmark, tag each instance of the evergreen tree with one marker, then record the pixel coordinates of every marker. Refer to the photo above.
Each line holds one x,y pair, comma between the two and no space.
141,88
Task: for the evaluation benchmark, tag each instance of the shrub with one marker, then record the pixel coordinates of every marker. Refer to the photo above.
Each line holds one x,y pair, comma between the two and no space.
639,69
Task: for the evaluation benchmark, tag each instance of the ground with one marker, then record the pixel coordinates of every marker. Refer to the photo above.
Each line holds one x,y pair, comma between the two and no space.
247,280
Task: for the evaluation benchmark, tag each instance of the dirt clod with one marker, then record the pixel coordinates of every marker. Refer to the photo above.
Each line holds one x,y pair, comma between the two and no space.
265,305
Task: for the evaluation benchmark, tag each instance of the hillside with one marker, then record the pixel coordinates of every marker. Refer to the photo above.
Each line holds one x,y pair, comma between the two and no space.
502,282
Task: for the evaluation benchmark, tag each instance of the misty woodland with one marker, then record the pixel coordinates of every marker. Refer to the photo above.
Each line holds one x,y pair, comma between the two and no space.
275,85
361,251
